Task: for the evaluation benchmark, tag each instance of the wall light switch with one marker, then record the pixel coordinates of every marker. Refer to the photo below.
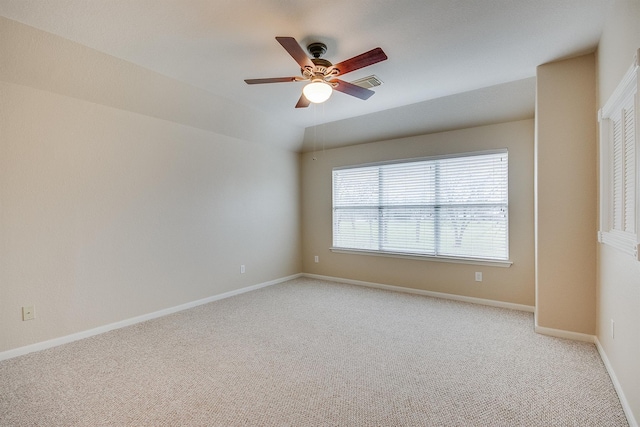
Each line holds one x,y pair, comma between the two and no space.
613,329
242,269
316,258
28,313
478,276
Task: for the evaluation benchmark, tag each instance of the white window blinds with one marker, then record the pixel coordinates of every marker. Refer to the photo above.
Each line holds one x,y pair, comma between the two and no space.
448,207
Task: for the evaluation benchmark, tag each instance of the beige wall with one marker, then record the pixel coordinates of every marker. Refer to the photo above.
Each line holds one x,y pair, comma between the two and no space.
514,284
107,213
618,282
566,195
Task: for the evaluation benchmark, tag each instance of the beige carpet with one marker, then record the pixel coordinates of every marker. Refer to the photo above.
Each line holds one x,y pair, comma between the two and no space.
308,352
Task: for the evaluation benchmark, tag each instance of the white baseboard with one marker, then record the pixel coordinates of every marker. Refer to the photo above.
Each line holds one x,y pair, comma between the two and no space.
132,321
559,333
616,384
492,303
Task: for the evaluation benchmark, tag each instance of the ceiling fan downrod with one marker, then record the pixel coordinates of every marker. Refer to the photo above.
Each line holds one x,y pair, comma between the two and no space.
317,49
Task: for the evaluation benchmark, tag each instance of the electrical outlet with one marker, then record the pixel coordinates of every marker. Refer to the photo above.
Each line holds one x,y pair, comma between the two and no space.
28,313
316,258
242,269
478,276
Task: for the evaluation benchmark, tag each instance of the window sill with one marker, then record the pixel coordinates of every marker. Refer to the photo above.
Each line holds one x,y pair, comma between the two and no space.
455,260
623,241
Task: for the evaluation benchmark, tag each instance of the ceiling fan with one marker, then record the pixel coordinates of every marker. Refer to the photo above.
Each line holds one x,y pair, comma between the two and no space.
322,74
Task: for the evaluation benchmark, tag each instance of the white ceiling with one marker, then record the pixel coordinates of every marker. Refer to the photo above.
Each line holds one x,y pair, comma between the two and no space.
436,48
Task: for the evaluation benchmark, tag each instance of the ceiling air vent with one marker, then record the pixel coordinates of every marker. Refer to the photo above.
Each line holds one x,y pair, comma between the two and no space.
368,82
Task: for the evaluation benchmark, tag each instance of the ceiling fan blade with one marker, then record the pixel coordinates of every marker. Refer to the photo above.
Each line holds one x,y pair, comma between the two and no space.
293,47
270,80
351,89
303,102
360,61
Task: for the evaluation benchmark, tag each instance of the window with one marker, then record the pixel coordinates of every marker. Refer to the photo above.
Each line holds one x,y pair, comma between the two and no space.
445,207
618,166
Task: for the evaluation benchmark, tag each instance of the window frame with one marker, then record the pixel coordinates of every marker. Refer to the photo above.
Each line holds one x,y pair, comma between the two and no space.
429,257
619,162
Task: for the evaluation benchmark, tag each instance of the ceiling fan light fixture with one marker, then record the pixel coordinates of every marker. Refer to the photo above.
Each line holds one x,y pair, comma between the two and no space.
317,91
321,74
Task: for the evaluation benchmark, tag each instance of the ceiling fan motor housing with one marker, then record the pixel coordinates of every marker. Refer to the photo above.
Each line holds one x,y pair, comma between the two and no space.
320,69
321,66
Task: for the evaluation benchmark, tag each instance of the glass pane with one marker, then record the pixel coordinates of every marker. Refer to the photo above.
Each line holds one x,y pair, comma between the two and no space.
408,184
473,231
355,187
408,230
473,180
356,229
